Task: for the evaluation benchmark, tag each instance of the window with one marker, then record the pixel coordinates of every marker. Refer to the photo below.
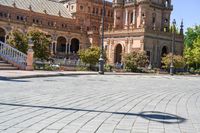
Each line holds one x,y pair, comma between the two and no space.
88,9
81,7
132,17
153,18
97,11
93,11
21,18
3,14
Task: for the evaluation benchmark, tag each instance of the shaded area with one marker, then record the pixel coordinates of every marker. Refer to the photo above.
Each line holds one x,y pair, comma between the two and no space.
12,80
149,115
162,117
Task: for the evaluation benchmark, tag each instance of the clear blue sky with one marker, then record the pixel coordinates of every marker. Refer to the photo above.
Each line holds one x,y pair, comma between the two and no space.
188,10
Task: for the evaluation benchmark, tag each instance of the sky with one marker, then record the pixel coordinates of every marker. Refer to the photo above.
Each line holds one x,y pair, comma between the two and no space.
188,10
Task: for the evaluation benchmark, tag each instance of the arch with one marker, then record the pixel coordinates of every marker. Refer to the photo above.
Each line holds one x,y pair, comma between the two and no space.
164,51
2,34
75,44
61,44
118,54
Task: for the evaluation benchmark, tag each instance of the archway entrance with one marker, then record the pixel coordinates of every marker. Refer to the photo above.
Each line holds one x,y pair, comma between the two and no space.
74,47
118,53
164,51
61,44
2,35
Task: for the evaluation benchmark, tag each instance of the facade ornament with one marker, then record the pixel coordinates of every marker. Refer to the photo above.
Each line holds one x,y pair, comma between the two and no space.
59,13
14,4
45,11
181,30
143,20
154,26
30,8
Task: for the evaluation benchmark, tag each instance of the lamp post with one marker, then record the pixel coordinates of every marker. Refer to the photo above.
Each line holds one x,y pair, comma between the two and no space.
101,59
173,43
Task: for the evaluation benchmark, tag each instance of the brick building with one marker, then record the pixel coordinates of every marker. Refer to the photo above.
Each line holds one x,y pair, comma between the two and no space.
76,24
142,25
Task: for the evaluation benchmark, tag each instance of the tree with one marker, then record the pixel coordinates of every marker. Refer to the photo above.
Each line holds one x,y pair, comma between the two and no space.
192,47
178,61
18,40
191,35
90,56
41,44
192,54
134,60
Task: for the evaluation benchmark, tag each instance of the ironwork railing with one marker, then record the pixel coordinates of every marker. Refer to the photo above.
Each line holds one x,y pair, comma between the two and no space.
13,55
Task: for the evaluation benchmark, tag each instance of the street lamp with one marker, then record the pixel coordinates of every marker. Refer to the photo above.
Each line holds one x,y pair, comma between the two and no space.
101,59
173,42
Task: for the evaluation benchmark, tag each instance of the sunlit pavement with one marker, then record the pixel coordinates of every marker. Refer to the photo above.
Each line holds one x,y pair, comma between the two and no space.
101,104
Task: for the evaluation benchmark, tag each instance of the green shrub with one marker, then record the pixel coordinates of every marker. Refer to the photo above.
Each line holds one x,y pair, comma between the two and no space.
133,61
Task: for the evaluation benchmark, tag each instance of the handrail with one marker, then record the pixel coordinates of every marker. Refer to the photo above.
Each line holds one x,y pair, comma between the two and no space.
13,55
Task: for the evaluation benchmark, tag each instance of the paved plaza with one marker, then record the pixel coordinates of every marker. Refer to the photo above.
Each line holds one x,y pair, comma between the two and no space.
101,104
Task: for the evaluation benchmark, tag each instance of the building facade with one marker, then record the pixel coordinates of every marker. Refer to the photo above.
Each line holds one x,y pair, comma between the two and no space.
142,25
76,24
72,24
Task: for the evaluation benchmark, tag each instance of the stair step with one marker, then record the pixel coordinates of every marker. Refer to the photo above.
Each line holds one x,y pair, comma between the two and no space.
8,68
2,61
5,64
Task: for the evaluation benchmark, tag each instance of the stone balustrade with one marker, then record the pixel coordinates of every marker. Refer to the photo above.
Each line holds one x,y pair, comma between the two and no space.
13,56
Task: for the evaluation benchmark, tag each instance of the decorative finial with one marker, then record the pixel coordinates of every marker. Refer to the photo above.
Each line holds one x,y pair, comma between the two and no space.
30,7
181,30
14,4
45,11
59,13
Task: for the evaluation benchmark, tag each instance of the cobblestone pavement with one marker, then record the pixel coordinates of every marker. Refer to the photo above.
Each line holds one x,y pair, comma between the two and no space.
101,104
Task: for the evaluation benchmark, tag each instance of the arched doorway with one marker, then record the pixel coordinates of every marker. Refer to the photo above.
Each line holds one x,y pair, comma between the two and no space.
118,53
61,44
74,47
2,35
163,54
164,51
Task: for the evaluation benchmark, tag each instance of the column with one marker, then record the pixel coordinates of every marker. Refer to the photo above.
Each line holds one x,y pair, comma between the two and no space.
134,15
115,17
52,43
55,47
66,48
126,18
69,48
5,38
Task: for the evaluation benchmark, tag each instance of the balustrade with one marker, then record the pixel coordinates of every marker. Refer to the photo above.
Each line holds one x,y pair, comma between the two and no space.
13,55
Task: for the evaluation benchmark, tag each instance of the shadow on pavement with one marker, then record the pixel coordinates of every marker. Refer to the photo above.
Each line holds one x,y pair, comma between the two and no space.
160,117
12,80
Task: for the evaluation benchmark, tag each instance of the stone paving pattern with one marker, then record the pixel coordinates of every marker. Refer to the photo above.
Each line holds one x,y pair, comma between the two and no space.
101,104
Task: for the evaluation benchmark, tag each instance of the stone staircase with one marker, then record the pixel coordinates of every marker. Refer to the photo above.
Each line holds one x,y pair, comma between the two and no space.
11,58
6,66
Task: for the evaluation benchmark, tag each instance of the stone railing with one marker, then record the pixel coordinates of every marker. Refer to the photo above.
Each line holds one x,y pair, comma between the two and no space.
121,31
13,56
142,30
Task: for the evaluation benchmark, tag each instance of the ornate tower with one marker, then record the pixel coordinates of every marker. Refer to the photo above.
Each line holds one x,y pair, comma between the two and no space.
118,7
150,14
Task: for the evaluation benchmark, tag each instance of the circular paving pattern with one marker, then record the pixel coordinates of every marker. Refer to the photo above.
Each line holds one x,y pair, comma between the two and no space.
101,104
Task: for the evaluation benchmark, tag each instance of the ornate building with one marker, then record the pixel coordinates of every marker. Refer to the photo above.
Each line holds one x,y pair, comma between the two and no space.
72,24
75,24
142,25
